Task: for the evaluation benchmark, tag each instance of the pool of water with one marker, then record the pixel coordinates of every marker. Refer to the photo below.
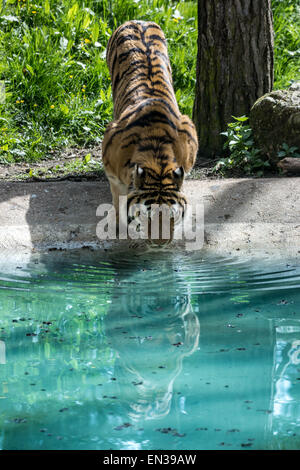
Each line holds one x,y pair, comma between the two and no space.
128,350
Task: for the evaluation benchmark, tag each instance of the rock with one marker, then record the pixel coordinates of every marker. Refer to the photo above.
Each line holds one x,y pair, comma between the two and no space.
275,119
290,165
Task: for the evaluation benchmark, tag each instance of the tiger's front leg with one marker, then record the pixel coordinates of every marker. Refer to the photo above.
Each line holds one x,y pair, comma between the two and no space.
117,189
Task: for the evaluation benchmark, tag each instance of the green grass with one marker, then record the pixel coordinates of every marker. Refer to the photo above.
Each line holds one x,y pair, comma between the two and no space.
286,15
57,85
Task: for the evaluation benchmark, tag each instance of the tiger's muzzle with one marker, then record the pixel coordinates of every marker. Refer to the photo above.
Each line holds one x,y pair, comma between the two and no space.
155,219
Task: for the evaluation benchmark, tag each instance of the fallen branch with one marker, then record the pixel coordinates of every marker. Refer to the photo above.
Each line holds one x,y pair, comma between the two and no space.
289,165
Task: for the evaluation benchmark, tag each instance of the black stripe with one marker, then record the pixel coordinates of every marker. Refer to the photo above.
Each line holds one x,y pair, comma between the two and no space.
172,201
160,200
166,138
163,84
155,142
162,191
156,37
170,186
152,173
132,90
139,75
144,104
148,52
165,94
110,140
163,73
168,194
114,83
148,102
124,97
129,163
151,25
188,134
162,67
190,124
148,91
136,63
122,57
132,142
146,94
112,68
155,147
163,56
149,187
132,135
117,33
152,92
150,201
129,37
163,157
131,198
146,148
150,118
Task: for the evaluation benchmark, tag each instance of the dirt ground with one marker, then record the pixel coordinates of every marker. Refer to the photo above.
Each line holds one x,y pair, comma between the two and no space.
68,165
48,169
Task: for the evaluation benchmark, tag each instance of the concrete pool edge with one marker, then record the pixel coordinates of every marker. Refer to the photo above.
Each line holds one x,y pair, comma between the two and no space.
253,217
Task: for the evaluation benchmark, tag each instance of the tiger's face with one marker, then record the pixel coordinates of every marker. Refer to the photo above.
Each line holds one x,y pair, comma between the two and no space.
157,197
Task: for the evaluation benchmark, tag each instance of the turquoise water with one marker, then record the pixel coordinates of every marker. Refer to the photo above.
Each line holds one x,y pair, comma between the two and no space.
149,351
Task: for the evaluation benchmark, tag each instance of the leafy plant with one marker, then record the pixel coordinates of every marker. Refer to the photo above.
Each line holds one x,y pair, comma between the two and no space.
287,151
244,156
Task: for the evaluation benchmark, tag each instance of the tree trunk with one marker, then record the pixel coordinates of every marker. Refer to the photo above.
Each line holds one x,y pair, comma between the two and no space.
234,65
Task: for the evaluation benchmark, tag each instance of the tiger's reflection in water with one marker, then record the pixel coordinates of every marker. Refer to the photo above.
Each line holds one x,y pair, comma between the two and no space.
151,331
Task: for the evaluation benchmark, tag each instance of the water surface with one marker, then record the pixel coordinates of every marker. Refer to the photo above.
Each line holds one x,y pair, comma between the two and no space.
149,351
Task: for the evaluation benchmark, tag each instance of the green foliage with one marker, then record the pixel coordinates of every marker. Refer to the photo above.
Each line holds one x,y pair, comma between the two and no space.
286,15
287,151
244,156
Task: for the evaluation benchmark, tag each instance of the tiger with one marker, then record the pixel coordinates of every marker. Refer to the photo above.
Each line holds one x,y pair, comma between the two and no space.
149,145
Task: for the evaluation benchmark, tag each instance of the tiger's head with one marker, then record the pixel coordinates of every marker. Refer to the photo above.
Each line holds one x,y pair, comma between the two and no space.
157,197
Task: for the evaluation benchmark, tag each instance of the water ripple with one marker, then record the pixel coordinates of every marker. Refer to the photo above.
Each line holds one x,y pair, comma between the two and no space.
149,272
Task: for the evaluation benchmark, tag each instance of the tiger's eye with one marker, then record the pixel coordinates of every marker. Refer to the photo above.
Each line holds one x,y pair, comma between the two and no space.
140,171
179,172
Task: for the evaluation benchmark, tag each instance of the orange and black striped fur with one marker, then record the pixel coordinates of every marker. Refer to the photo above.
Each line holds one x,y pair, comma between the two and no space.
149,143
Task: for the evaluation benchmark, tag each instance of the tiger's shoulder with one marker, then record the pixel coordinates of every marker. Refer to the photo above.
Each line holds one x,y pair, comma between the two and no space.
149,126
